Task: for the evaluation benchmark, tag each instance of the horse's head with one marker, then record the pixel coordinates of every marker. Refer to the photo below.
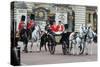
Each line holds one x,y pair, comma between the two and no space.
91,33
83,31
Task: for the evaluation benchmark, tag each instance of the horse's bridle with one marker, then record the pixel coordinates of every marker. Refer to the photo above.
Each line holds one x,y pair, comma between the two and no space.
83,29
88,35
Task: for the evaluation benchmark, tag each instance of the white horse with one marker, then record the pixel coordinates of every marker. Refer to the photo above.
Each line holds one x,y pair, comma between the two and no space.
77,41
35,42
89,40
74,43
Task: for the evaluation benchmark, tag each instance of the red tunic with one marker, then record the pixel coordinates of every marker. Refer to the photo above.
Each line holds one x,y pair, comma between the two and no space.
30,24
21,25
54,28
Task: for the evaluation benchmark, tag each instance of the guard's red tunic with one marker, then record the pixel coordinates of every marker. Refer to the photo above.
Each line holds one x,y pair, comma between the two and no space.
54,28
21,25
30,24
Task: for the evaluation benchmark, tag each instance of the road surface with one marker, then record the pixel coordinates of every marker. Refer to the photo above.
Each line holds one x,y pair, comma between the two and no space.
43,57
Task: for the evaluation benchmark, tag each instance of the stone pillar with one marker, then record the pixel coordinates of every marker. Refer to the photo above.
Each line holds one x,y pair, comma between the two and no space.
91,19
80,16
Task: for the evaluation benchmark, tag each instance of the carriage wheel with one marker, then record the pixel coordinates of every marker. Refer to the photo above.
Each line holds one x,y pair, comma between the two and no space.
64,48
51,47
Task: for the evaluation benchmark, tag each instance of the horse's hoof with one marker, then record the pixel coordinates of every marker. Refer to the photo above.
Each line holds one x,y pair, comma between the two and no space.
74,54
86,53
30,51
80,53
26,51
77,54
39,51
69,54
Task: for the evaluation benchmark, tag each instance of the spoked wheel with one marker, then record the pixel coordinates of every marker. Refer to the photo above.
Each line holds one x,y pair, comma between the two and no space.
64,48
51,47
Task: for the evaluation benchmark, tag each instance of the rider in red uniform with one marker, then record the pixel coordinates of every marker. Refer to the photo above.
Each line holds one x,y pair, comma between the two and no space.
23,32
60,27
31,26
54,27
31,23
21,24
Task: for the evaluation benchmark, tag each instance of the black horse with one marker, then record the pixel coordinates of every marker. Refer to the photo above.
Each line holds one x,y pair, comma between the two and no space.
29,32
24,38
65,42
49,39
43,42
23,34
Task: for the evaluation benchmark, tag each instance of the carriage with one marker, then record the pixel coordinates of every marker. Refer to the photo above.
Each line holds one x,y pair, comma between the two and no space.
57,40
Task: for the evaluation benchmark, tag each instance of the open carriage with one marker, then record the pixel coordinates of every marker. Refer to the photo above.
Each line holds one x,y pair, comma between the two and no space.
57,40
